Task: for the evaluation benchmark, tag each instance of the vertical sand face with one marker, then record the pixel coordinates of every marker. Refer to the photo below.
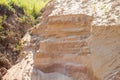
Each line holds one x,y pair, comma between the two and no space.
64,49
75,40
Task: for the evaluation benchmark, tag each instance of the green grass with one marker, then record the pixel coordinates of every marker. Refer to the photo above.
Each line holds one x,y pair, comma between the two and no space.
31,7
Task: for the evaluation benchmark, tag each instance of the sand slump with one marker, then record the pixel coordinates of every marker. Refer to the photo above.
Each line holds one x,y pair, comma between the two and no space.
69,70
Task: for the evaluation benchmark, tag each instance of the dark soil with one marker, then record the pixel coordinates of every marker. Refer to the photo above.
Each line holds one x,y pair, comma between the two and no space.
4,10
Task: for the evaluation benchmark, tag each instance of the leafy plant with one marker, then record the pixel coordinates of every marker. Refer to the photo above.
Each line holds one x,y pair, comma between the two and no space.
18,45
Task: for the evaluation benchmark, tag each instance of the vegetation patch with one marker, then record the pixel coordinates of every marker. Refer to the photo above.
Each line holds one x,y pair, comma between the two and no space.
16,17
30,7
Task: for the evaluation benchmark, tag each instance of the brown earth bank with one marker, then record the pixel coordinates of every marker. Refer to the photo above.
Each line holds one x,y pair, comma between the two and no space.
14,23
73,41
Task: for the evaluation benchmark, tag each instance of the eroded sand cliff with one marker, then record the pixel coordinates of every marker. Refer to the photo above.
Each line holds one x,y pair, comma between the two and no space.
75,40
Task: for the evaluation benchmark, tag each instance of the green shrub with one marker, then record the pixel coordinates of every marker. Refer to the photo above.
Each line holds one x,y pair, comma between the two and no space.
31,7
